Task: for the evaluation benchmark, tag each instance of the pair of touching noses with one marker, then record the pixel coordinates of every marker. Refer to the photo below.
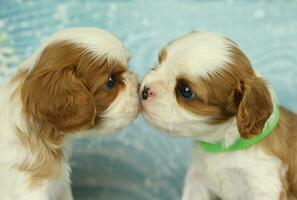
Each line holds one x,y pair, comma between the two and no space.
203,86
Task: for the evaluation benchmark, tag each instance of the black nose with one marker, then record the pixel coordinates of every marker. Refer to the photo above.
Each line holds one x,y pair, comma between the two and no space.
145,93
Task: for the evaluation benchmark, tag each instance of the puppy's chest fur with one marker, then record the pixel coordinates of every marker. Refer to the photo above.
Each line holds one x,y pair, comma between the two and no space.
270,165
236,175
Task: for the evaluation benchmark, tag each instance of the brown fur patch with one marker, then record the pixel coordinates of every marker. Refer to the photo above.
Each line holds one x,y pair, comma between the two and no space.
162,55
211,98
254,109
64,92
282,144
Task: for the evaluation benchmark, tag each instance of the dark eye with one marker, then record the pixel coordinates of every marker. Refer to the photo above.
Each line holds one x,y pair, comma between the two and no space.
185,91
111,82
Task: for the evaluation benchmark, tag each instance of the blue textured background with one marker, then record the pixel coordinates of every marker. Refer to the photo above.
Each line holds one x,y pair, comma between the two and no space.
140,163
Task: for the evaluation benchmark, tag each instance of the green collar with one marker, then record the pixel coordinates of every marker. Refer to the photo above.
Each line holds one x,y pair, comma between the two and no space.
242,143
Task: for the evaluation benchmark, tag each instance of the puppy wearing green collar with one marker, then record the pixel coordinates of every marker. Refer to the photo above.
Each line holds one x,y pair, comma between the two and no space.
245,148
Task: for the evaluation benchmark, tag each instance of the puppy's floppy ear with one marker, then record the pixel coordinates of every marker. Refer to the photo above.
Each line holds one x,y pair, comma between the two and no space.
254,106
54,94
60,98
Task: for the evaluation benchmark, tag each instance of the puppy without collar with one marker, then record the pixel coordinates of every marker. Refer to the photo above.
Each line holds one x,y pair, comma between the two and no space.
76,82
204,87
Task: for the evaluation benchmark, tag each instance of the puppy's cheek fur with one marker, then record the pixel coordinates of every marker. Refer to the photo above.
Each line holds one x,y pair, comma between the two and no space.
166,115
124,108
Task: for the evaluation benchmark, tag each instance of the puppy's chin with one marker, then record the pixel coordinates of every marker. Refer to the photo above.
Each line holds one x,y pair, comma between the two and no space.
151,113
157,123
168,120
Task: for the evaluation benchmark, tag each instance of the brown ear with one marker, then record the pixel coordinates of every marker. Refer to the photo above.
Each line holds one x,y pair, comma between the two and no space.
58,97
255,107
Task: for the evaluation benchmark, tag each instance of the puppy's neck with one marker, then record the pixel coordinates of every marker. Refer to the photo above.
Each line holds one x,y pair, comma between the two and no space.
225,133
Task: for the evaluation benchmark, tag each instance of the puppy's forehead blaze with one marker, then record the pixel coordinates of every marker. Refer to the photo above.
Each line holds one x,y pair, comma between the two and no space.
197,54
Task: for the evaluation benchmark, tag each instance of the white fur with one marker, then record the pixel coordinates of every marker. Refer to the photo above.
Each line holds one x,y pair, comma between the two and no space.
210,55
241,175
14,183
124,107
